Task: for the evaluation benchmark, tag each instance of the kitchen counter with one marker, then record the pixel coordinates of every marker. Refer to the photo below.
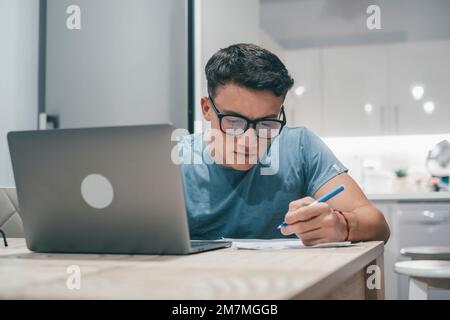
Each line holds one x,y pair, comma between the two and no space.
425,196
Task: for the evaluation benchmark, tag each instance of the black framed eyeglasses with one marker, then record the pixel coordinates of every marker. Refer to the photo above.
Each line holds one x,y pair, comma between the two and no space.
236,125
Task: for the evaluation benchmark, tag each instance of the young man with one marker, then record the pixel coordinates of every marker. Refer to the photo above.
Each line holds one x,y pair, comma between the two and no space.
228,194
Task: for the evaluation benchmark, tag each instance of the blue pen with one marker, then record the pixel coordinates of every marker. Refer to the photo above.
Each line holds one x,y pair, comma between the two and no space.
323,198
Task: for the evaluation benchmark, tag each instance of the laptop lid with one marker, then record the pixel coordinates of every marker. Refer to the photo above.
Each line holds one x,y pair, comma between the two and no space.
100,190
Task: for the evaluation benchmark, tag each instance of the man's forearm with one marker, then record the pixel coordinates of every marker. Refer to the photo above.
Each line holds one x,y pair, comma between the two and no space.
367,223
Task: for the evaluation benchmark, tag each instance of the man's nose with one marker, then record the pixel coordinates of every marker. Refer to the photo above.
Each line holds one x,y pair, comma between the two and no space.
248,139
251,132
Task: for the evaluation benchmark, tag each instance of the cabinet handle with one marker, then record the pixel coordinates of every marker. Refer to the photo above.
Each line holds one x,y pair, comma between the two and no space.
396,118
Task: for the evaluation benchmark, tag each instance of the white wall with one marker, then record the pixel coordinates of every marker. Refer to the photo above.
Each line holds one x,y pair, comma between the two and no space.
222,23
19,25
269,43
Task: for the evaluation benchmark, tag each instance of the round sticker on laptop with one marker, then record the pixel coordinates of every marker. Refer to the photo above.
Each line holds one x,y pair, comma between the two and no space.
97,191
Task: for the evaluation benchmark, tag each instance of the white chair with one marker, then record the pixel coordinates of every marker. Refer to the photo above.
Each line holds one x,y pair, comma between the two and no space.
10,222
424,274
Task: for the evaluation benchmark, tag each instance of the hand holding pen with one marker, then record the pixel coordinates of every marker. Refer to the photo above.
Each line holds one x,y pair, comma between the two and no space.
314,221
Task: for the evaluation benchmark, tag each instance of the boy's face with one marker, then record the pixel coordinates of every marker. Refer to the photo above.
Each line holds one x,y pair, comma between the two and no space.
240,152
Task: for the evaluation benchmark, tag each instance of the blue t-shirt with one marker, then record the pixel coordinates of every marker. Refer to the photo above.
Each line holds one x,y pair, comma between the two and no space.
222,202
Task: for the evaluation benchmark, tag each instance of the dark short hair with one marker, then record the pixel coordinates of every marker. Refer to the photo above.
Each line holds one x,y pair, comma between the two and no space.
250,66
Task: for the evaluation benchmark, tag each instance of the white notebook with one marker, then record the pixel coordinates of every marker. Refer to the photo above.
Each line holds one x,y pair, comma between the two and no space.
277,244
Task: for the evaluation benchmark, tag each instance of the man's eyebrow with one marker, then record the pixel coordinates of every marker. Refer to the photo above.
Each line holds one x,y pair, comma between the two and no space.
232,113
273,115
228,112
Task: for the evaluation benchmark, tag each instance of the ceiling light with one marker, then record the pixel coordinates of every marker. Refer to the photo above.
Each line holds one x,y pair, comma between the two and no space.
300,90
368,108
417,92
428,107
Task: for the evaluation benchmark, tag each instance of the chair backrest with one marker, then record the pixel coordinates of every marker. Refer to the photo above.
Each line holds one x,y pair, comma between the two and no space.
10,221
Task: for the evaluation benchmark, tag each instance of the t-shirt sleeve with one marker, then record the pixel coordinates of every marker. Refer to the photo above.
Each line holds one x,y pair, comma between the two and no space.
320,164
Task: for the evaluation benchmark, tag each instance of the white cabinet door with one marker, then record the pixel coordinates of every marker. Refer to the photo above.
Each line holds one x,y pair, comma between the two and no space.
421,224
366,90
427,64
305,108
354,91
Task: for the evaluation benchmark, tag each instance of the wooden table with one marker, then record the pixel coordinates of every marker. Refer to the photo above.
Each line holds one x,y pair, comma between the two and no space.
231,273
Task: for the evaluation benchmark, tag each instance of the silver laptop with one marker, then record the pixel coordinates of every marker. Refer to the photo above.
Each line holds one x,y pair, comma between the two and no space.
102,190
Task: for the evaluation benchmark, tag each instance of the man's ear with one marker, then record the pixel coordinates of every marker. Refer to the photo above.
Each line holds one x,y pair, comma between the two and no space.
206,108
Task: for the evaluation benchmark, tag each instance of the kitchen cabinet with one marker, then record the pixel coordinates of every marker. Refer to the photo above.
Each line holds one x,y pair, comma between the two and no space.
413,222
426,64
367,90
354,91
421,224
